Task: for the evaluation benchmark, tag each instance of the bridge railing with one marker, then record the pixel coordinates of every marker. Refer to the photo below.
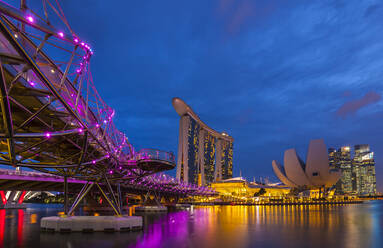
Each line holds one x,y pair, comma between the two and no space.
153,154
26,173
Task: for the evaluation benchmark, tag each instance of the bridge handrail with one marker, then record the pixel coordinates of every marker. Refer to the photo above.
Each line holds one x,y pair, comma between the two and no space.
26,173
154,154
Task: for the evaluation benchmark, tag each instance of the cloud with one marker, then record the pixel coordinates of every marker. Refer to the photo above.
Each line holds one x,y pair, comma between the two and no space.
270,84
347,93
242,13
237,14
246,116
351,107
224,6
372,9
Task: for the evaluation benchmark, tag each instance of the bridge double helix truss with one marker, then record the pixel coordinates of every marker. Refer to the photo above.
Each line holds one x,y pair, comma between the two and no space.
53,118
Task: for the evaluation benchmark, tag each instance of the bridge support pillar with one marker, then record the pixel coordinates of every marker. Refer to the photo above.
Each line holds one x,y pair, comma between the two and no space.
151,202
157,199
119,194
83,192
65,195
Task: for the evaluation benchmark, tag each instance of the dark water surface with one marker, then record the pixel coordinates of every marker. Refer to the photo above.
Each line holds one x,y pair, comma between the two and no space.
216,226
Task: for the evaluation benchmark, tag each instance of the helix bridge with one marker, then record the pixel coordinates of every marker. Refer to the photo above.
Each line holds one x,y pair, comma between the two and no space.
54,120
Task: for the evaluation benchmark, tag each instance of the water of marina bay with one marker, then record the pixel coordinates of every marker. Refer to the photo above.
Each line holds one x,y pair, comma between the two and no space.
358,225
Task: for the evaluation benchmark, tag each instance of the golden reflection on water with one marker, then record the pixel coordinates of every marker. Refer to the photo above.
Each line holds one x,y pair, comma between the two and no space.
33,218
242,226
60,213
131,211
312,226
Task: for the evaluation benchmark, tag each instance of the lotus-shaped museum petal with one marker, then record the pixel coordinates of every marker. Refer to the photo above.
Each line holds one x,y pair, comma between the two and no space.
315,173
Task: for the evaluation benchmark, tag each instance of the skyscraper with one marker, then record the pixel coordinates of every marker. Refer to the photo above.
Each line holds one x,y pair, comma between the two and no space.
227,159
209,158
190,135
364,171
332,158
204,155
341,159
358,173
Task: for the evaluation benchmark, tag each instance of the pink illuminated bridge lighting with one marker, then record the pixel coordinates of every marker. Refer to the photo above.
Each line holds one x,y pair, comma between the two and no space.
30,19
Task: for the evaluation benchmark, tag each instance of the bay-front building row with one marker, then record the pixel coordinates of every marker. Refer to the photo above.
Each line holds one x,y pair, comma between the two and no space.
358,172
204,155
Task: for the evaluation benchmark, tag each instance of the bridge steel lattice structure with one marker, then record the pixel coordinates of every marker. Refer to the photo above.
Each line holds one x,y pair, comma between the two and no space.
19,184
53,119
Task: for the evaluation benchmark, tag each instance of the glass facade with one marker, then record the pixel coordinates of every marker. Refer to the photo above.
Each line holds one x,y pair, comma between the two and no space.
332,158
358,173
209,158
364,171
227,160
199,151
340,159
344,185
193,143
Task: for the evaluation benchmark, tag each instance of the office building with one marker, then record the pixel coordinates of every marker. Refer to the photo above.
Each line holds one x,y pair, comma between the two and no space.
358,173
364,171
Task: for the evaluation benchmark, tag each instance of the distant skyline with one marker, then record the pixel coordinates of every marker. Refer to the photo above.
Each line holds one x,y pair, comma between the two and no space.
272,74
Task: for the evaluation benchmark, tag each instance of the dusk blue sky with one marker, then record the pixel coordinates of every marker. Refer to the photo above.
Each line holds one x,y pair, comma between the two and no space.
272,74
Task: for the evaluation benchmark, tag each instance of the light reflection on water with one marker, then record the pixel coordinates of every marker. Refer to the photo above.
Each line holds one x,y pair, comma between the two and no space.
215,226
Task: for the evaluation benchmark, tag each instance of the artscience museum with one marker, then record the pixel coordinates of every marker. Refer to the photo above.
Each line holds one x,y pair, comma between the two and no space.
313,174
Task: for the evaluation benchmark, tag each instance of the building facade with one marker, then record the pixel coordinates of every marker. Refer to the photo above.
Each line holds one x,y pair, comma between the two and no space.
204,155
358,173
340,159
364,171
239,187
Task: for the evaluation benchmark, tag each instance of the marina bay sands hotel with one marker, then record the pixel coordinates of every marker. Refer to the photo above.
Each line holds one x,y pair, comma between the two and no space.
204,155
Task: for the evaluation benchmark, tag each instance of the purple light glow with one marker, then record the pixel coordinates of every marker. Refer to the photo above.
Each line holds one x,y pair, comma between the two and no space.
110,172
75,40
30,19
48,135
61,34
94,162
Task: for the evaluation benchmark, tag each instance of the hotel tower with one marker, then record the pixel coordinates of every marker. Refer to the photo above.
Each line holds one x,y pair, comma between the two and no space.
204,155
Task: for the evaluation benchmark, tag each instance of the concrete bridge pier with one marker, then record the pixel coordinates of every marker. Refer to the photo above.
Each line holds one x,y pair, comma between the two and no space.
70,223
